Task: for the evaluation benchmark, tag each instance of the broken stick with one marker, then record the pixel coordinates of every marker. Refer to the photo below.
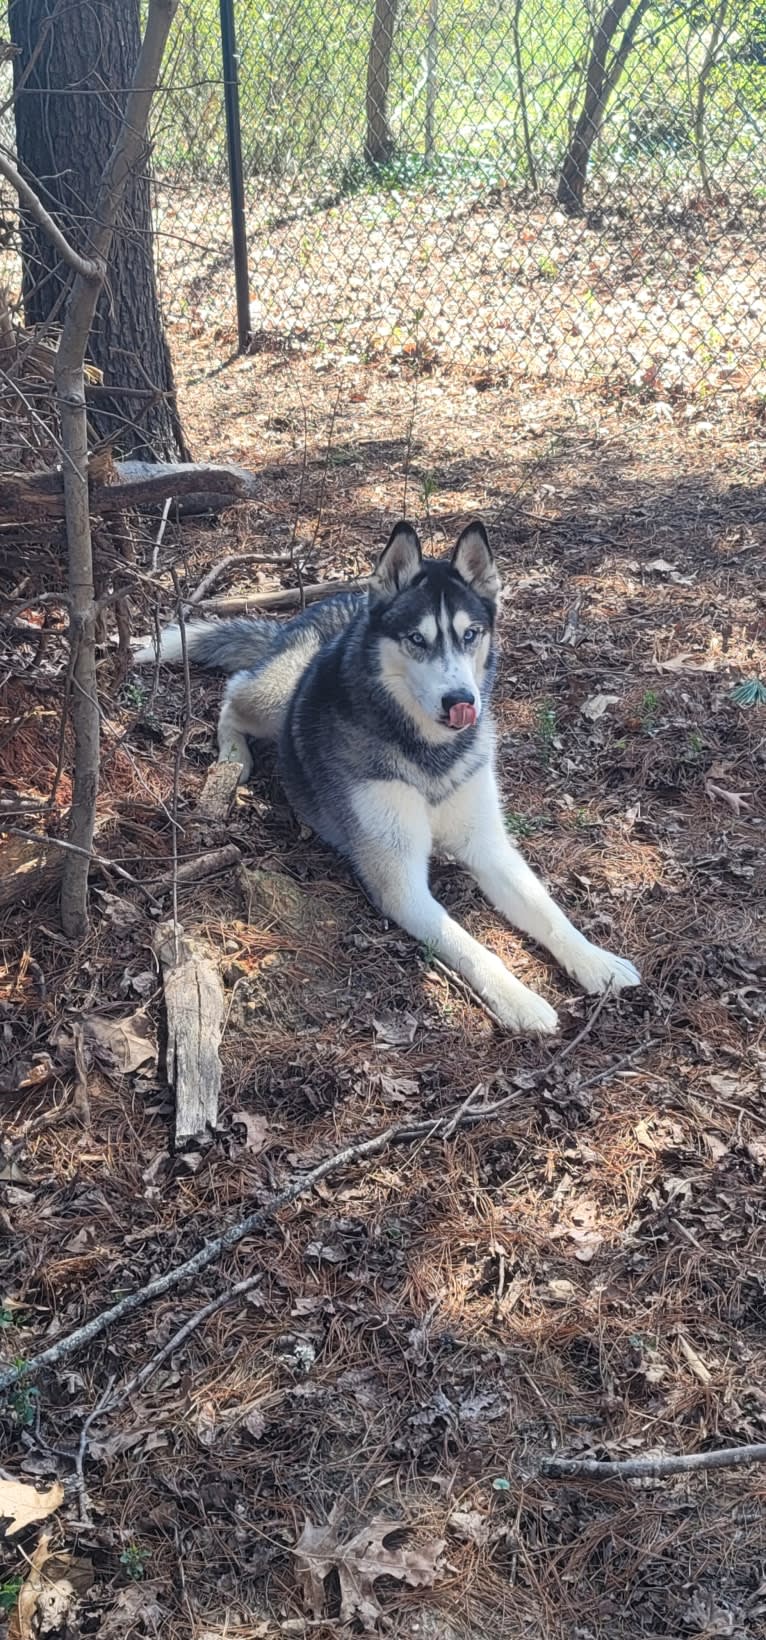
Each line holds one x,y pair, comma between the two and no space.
194,1004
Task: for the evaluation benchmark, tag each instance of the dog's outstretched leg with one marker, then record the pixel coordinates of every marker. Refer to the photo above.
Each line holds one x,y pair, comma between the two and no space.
470,825
392,844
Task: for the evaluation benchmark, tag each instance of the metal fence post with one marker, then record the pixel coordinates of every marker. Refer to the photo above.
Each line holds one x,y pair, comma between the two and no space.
236,172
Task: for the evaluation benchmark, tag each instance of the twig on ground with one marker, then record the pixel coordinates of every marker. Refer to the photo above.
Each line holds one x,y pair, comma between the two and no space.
234,560
620,1064
147,1371
286,598
676,1463
83,1501
98,859
569,1047
204,865
63,1348
161,531
180,747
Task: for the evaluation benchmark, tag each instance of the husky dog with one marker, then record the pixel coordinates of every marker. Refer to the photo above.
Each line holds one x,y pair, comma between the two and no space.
380,704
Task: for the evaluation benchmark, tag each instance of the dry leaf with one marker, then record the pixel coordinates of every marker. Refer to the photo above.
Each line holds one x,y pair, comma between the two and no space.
121,913
471,1526
398,1032
596,705
257,1130
21,1504
561,1290
135,1604
255,1423
684,663
701,1372
121,1045
737,801
206,1424
587,1243
22,1619
643,1136
358,1563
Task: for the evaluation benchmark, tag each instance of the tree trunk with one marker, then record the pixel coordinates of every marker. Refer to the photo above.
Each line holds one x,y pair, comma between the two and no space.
379,144
601,81
73,67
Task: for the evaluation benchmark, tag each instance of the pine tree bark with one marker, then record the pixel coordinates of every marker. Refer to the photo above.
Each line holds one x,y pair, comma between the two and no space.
74,64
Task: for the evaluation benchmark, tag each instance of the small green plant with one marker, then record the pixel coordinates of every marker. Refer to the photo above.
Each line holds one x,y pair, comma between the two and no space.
695,745
134,694
9,1593
520,825
7,1318
134,1560
546,725
429,952
23,1399
749,693
649,707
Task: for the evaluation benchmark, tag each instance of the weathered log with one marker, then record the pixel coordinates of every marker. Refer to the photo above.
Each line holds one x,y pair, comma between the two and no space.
194,1005
118,486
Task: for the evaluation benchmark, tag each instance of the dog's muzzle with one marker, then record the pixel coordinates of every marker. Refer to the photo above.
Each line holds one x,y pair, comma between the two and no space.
459,709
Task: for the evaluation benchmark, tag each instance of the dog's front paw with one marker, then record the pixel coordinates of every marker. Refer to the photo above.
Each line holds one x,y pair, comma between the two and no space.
598,971
521,1010
236,750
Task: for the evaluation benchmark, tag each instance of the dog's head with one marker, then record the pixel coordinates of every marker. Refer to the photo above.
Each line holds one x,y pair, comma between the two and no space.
435,621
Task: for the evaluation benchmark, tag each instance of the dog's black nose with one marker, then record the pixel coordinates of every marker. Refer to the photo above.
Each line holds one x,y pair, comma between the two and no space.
458,697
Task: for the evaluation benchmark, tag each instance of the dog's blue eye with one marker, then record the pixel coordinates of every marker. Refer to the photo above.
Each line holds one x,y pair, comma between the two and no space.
471,634
417,639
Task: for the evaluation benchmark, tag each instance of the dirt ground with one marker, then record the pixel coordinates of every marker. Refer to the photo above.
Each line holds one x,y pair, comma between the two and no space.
583,1273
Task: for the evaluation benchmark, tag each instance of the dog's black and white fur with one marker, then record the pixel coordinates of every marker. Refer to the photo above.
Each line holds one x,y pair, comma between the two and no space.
380,704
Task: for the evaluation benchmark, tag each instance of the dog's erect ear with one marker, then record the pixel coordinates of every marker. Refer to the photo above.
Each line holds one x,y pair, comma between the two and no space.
399,562
474,561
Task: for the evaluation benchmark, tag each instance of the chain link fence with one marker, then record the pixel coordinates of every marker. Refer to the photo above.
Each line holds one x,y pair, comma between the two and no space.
561,187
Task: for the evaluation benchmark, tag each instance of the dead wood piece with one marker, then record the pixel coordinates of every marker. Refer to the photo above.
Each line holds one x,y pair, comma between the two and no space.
27,496
27,867
194,1005
287,598
675,1463
219,792
204,865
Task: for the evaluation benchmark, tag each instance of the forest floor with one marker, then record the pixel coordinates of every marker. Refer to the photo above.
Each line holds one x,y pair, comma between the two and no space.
583,1273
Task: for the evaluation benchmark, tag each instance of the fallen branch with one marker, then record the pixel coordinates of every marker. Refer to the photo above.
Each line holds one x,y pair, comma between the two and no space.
235,560
27,496
65,1347
45,843
205,865
288,598
727,1457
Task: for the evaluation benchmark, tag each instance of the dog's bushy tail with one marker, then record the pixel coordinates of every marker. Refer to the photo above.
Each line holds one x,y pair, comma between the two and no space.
223,646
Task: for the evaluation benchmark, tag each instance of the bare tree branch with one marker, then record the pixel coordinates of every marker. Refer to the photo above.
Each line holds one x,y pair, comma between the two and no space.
81,264
676,1463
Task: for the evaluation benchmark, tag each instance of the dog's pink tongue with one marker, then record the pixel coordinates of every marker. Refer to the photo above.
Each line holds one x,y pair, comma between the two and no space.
462,715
